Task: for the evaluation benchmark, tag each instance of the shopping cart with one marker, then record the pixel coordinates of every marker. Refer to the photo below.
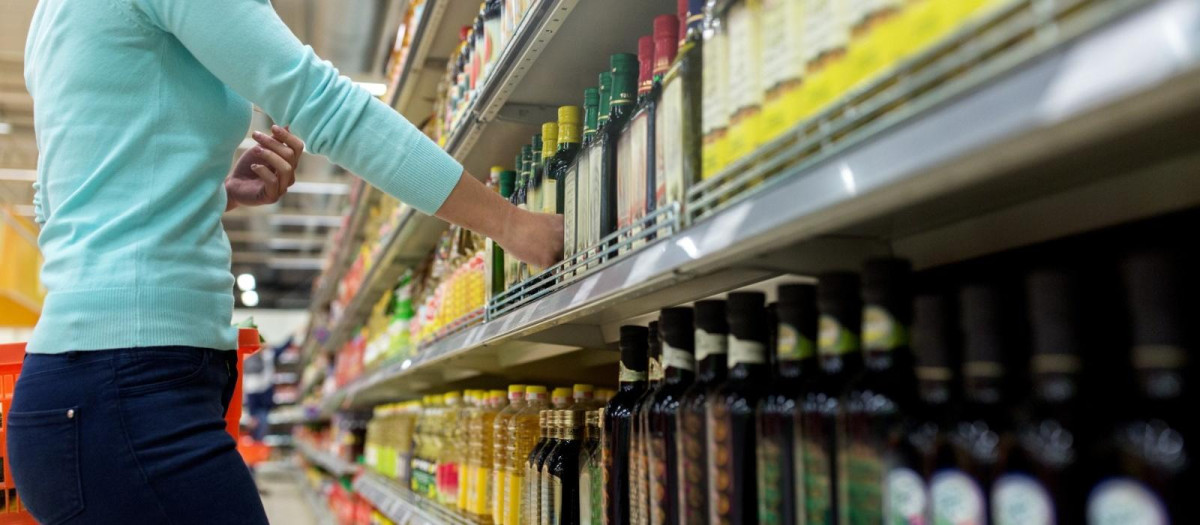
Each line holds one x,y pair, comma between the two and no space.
12,512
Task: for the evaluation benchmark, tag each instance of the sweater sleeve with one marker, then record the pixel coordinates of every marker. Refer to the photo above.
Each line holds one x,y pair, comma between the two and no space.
247,46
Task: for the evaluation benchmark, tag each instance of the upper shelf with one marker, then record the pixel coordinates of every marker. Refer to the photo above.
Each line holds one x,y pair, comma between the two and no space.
1091,131
434,39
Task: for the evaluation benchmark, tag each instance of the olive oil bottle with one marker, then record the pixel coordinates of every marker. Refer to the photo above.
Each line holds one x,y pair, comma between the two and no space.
618,422
639,445
677,121
678,342
711,340
780,473
731,413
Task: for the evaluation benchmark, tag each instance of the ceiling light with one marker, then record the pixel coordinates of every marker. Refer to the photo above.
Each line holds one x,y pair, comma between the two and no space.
246,282
374,88
250,298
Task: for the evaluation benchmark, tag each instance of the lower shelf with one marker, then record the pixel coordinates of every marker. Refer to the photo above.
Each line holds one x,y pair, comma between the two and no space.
402,506
326,461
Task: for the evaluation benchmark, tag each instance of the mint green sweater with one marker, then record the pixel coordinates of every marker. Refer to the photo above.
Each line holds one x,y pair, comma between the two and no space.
138,107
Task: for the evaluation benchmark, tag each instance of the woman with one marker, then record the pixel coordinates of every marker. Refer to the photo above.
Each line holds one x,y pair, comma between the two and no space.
117,417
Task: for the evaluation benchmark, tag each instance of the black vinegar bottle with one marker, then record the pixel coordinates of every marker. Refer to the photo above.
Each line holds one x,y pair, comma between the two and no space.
731,447
935,338
618,422
983,430
639,453
871,427
711,340
780,487
840,360
1041,477
1148,472
678,338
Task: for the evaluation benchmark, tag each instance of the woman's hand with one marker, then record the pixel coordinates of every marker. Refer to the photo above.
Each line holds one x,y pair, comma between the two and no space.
536,238
265,172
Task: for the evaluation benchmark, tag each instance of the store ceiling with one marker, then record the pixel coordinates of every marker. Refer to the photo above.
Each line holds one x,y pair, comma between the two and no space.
281,245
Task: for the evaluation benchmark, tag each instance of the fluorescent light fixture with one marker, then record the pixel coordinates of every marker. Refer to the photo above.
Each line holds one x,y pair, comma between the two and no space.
245,282
11,175
305,220
250,298
296,263
6,128
374,88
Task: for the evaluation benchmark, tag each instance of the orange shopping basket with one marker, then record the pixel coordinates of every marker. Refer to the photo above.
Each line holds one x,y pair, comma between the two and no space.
12,512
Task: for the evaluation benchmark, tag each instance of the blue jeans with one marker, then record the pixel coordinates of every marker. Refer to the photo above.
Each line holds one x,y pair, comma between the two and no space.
129,436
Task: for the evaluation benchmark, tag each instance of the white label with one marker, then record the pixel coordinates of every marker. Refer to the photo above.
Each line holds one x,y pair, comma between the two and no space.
907,499
957,499
668,145
880,331
781,42
630,376
656,369
713,115
1125,501
569,211
638,136
549,196
585,493
626,178
709,344
1018,499
583,202
595,166
743,70
824,30
746,351
676,358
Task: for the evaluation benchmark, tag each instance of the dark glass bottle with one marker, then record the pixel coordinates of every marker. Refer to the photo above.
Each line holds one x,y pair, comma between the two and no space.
677,126
678,342
568,148
561,507
1148,473
840,358
935,340
871,426
780,483
639,448
731,417
711,340
531,493
591,484
618,422
1041,479
624,70
497,283
535,172
982,430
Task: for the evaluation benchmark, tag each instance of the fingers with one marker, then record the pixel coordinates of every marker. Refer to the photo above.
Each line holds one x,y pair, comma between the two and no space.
284,171
285,136
270,188
283,150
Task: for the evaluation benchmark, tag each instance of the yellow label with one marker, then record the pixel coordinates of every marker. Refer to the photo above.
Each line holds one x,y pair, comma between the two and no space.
512,498
499,481
479,491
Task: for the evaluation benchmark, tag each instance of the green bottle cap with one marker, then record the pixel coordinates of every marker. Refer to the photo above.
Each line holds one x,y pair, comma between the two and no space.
508,179
624,78
591,108
536,146
606,85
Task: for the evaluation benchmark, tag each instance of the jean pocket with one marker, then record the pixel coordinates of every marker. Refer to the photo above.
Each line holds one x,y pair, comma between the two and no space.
142,372
43,449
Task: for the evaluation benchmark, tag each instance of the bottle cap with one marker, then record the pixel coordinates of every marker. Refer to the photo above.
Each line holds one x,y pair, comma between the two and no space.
887,283
452,396
745,312
561,393
591,96
710,317
549,139
569,114
605,93
508,179
496,394
634,342
645,56
535,389
568,125
838,296
1156,304
985,327
583,390
666,42
1054,314
676,326
517,390
464,32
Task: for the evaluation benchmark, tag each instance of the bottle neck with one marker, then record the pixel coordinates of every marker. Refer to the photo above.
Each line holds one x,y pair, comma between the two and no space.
983,383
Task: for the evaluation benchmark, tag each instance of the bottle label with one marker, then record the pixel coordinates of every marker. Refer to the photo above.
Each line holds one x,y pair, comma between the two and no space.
512,497
693,482
1019,499
547,513
817,471
555,508
835,339
656,369
863,487
626,177
957,499
720,462
639,139
585,493
596,183
597,492
906,499
744,78
824,30
569,222
770,477
881,331
631,376
792,345
710,344
746,351
583,201
1124,500
668,145
658,477
678,359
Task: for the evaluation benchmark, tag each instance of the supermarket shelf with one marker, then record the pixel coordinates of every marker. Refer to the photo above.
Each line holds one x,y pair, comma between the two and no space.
537,72
326,461
402,506
319,509
1044,148
434,40
296,415
406,246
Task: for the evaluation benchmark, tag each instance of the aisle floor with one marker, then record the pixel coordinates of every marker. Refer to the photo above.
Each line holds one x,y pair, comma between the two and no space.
279,487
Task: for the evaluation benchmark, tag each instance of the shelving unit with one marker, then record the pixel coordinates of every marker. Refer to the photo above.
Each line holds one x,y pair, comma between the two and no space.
1031,148
326,461
402,506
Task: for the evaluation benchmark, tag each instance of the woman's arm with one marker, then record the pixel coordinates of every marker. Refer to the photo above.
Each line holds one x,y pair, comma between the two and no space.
247,46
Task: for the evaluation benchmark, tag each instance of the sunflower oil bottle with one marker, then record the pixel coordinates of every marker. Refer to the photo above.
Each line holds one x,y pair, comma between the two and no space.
523,433
500,435
479,456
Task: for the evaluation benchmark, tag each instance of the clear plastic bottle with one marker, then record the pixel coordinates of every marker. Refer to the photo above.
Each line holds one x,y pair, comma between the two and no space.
479,456
469,411
516,401
523,434
450,451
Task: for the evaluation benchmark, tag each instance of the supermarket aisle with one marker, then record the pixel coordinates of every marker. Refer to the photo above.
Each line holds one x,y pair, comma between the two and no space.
280,489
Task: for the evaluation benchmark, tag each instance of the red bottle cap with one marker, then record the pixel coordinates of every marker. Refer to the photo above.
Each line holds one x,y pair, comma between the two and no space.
463,32
666,42
646,63
681,13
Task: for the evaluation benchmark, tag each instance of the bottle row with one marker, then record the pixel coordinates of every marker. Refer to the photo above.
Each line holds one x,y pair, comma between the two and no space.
1020,389
709,85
